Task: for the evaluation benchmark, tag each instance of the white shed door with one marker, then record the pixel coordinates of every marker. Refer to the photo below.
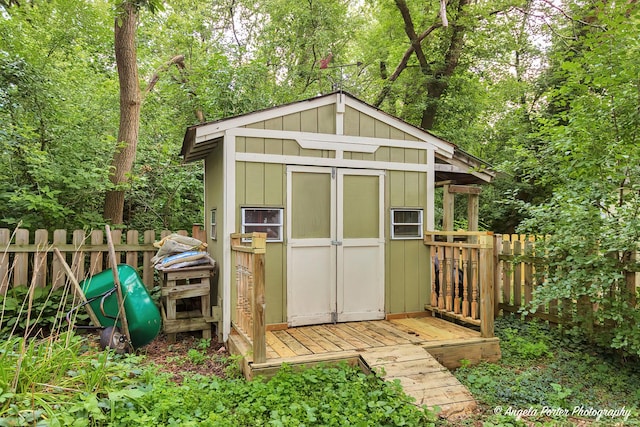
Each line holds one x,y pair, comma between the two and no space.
335,245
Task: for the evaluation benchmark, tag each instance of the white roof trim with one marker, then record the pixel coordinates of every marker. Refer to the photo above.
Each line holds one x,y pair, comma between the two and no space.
304,137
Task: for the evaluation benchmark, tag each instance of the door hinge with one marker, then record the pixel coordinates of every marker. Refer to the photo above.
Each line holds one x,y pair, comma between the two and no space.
334,317
333,173
336,243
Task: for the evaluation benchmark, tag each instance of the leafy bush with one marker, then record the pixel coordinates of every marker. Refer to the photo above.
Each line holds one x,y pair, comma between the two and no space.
48,310
331,396
543,366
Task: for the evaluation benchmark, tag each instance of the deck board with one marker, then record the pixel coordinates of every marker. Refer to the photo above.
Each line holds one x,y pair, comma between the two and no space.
421,377
411,350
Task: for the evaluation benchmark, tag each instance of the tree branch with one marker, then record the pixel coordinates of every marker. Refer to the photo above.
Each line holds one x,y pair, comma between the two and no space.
403,64
178,61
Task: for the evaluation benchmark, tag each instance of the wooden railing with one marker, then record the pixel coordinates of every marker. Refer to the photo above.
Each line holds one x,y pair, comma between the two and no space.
248,252
462,279
25,254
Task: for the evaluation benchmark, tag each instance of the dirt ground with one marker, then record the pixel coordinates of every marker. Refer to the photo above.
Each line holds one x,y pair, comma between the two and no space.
176,358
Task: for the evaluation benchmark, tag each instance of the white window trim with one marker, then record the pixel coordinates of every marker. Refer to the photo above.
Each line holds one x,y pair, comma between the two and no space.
419,224
280,224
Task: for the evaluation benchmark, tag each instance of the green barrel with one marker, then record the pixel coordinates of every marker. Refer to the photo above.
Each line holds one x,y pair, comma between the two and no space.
142,314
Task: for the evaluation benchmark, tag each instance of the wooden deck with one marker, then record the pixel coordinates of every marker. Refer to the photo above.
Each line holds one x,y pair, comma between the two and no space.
417,351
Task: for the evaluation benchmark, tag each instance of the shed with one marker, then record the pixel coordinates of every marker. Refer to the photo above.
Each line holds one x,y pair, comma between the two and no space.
344,192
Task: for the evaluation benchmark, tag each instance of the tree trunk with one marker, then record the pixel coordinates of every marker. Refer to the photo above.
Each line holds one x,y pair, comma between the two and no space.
130,100
440,82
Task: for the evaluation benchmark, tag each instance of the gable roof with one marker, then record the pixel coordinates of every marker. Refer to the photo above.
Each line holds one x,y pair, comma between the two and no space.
200,139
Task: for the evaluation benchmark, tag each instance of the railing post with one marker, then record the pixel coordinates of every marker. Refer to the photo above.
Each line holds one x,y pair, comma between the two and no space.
258,244
486,285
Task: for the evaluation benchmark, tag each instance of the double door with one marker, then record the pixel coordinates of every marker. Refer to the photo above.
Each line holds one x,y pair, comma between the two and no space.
335,245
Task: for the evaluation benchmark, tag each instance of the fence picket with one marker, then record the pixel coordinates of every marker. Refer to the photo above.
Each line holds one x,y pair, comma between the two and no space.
95,266
40,257
132,256
5,239
147,268
57,274
77,263
20,259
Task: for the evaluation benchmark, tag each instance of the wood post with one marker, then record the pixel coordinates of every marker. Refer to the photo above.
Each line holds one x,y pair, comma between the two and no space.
448,207
486,288
250,290
259,321
517,274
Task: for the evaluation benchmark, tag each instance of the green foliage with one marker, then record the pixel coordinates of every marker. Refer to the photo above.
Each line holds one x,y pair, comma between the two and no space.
591,128
569,373
48,311
317,396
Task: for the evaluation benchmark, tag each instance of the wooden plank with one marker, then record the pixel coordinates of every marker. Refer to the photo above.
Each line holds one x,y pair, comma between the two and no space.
77,260
289,341
436,378
497,279
486,286
97,237
5,240
299,335
185,291
507,269
377,356
448,208
464,189
517,275
340,331
147,267
131,257
528,275
278,346
326,334
422,364
259,305
398,333
426,331
40,265
21,260
365,329
319,339
368,340
116,239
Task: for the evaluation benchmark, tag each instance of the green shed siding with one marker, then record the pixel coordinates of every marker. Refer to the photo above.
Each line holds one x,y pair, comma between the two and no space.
264,185
407,273
213,181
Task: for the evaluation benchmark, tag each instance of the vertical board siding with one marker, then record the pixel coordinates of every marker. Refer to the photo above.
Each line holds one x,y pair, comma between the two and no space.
260,185
214,199
406,275
327,119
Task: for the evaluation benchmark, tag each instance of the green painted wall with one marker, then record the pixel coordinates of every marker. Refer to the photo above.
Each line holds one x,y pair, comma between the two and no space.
213,181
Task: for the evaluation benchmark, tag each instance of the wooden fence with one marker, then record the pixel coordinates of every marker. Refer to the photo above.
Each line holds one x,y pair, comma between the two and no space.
27,257
520,269
462,286
248,258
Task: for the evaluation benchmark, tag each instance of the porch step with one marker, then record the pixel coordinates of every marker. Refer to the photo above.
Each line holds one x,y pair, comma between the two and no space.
421,377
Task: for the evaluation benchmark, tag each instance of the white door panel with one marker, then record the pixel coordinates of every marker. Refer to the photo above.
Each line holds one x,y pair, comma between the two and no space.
335,245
